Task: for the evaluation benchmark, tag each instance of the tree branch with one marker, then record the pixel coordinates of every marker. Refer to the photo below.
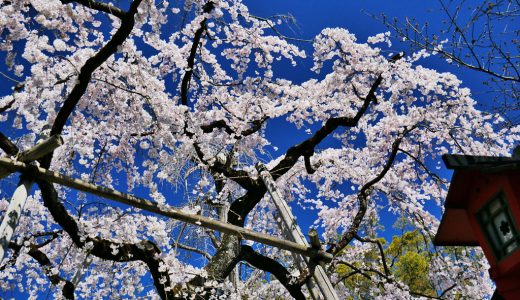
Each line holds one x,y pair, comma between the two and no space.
7,106
100,6
381,251
307,147
127,24
45,262
192,249
423,166
9,147
207,8
363,194
221,124
145,251
272,266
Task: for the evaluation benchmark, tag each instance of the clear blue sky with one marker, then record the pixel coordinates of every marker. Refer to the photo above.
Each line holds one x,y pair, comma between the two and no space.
311,17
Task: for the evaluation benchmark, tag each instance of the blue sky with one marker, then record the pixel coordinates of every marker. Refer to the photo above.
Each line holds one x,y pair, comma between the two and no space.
311,17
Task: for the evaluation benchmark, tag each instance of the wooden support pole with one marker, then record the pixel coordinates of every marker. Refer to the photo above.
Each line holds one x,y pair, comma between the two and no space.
315,242
320,277
164,210
15,208
41,149
301,263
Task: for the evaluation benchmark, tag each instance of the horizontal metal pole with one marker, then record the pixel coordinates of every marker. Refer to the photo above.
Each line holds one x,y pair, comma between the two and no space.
165,210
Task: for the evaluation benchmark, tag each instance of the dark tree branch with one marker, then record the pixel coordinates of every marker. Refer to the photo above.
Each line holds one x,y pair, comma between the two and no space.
423,166
363,194
9,147
85,74
308,165
221,124
45,262
192,249
272,266
257,124
448,289
208,7
463,49
53,235
14,256
381,251
345,277
307,146
7,106
241,207
239,176
364,271
145,251
100,6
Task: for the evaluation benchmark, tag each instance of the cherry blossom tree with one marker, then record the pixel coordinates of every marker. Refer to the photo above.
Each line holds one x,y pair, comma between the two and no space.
164,99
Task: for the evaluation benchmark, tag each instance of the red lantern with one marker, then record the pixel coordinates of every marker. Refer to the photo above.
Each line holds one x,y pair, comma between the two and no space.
483,209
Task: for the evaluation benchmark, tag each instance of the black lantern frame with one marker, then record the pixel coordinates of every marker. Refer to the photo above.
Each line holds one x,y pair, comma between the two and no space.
498,226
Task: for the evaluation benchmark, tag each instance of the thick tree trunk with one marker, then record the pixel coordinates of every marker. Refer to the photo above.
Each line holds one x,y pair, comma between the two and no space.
226,258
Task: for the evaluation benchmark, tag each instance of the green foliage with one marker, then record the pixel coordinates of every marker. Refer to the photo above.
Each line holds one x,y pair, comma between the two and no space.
412,269
408,257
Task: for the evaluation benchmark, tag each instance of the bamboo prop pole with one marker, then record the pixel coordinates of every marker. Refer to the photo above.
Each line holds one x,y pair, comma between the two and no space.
41,149
289,223
13,213
315,240
164,210
17,203
300,262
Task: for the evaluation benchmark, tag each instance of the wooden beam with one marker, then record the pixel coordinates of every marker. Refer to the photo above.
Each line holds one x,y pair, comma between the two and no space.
164,210
41,148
